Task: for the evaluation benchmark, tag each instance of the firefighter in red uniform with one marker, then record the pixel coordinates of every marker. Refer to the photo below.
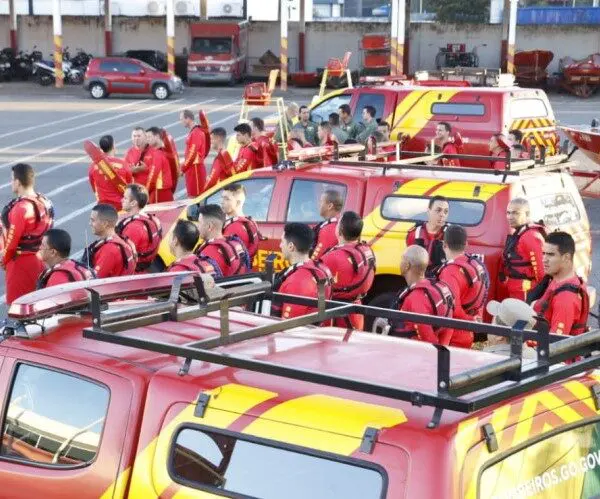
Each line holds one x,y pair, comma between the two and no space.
430,234
325,237
467,278
561,298
267,149
108,185
422,296
247,158
25,220
499,148
110,255
143,230
136,156
54,252
236,224
160,180
184,238
522,267
302,276
196,150
352,264
228,251
222,167
326,137
443,130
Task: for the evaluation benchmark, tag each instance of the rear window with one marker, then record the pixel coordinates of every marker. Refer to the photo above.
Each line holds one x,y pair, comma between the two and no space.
237,464
458,108
528,108
109,67
305,198
368,99
414,209
554,209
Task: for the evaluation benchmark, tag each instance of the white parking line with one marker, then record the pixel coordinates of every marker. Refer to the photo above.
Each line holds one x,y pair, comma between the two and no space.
58,148
82,158
71,118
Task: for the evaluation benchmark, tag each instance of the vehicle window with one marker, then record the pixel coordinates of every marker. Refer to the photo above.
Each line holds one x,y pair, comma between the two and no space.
211,45
109,67
322,111
565,465
458,108
528,108
227,462
556,210
258,197
53,418
414,209
305,196
130,67
366,99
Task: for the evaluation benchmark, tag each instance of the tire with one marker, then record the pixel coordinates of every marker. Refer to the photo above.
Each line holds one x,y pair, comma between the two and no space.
98,91
77,79
45,80
384,300
160,91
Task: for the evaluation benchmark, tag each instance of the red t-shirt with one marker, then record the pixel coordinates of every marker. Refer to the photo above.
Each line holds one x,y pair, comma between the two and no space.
222,168
191,263
106,190
530,248
299,280
195,149
449,148
132,158
325,237
564,309
247,159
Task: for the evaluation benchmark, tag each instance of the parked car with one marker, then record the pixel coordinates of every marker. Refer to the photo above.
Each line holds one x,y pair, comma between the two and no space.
155,58
122,75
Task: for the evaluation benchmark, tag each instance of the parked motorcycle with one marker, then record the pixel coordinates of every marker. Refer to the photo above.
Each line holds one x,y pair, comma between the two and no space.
45,72
455,55
5,65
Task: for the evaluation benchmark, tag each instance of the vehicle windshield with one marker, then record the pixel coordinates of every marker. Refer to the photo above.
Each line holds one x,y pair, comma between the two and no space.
211,45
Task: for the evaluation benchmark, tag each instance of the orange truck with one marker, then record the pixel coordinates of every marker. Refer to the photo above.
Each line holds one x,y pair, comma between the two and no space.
104,397
218,51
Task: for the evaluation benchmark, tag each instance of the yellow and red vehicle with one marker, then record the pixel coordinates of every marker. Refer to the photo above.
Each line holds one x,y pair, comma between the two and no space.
127,399
391,198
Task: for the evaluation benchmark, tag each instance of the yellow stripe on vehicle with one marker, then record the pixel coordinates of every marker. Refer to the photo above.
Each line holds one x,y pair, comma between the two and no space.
323,422
466,190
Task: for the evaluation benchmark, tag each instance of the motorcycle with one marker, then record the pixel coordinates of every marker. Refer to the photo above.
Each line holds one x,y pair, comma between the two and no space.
45,72
81,60
455,55
5,64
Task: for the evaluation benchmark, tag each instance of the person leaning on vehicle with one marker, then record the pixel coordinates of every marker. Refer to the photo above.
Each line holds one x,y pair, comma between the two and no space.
25,220
352,264
369,124
184,238
422,296
446,143
143,230
349,127
430,234
110,255
108,190
302,276
236,224
522,268
325,237
561,298
467,278
228,251
54,252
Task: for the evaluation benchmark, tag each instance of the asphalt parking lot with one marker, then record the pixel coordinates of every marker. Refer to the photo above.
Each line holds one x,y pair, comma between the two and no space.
46,128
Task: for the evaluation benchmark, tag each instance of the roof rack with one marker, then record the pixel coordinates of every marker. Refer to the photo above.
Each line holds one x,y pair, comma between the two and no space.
502,380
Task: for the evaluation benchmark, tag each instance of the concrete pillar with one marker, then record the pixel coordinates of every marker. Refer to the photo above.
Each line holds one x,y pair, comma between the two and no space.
400,38
107,28
203,9
512,34
12,13
283,55
302,36
171,36
58,46
394,39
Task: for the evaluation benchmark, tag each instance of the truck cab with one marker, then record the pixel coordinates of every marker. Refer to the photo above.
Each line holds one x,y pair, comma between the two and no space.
218,51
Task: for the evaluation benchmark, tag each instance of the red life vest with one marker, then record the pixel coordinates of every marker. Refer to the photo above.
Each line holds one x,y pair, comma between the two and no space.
362,258
202,263
126,249
440,297
44,216
154,230
252,230
476,275
233,252
580,326
514,265
72,269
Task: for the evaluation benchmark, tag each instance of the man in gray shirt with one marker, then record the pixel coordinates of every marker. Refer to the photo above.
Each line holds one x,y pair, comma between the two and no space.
369,124
346,123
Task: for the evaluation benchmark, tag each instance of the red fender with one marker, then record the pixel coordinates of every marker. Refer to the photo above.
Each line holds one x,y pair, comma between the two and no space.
171,150
205,126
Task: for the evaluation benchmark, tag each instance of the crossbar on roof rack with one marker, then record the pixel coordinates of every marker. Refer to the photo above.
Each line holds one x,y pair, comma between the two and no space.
509,376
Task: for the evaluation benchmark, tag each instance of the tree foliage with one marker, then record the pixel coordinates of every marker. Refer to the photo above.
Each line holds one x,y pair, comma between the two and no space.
462,11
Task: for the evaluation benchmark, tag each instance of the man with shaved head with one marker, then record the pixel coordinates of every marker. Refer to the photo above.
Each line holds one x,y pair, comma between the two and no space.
422,296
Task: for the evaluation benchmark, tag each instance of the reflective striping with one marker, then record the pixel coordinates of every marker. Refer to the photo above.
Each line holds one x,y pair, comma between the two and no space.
464,190
323,422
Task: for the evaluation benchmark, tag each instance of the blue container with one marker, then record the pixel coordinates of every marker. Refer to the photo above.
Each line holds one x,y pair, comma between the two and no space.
558,15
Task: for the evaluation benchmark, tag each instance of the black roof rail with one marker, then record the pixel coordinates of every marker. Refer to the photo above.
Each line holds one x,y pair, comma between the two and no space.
503,379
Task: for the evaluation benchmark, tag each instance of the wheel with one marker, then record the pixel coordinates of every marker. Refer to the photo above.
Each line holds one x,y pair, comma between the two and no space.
97,90
384,300
77,78
160,91
45,80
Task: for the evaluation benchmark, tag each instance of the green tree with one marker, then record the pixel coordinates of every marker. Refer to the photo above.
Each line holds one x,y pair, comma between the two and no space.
462,11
